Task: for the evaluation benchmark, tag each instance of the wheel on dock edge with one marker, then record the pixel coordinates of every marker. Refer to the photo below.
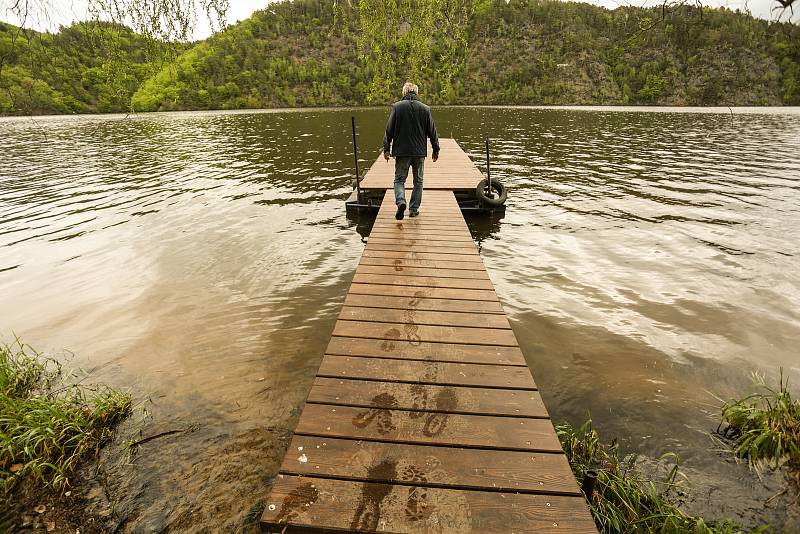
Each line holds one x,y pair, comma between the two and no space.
496,197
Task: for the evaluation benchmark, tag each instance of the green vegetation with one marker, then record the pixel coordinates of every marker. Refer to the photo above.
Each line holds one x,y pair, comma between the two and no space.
306,53
622,500
318,52
46,427
765,426
85,68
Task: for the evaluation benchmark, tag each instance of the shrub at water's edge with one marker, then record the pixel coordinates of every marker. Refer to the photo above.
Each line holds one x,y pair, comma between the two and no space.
765,426
47,426
622,500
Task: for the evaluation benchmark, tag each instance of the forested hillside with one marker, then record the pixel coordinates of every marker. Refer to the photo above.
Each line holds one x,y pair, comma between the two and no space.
84,68
303,53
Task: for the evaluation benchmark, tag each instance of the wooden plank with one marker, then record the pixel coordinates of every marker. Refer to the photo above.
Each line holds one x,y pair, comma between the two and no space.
429,204
431,212
427,397
387,222
425,229
440,197
421,229
461,239
443,227
415,224
400,269
438,205
421,281
469,431
425,466
411,302
424,292
473,258
429,264
454,234
442,352
388,315
434,237
440,201
422,248
424,372
422,242
418,333
423,220
443,182
354,506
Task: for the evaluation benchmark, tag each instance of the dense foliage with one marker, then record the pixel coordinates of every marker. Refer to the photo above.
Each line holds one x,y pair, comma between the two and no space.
87,67
320,52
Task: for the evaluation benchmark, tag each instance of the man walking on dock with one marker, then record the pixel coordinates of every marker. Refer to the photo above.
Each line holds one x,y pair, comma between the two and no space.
410,125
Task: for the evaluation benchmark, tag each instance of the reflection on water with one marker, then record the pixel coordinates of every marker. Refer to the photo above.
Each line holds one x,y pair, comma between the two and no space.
646,259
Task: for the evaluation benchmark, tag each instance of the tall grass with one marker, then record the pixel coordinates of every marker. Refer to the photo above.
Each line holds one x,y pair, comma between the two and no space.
47,427
622,500
765,426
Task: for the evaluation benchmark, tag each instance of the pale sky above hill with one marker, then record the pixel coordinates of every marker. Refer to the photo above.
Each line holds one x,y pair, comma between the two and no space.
63,12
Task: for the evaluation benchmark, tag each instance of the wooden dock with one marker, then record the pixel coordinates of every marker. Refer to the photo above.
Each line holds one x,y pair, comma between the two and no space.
453,172
424,416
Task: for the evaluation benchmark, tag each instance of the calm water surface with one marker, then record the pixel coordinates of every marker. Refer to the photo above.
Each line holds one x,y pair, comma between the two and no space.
648,261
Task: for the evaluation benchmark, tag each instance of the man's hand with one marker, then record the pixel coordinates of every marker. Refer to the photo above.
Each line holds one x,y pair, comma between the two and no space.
386,156
435,156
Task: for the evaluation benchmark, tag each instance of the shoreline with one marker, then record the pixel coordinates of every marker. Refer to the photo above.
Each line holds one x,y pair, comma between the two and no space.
722,110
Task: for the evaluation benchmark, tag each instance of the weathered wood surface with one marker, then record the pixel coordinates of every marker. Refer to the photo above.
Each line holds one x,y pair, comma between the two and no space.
433,466
402,426
423,397
440,352
424,416
419,302
355,506
386,315
453,171
417,333
462,374
398,269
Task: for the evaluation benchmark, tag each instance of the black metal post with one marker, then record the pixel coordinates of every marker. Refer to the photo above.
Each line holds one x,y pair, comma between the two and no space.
488,171
589,480
355,155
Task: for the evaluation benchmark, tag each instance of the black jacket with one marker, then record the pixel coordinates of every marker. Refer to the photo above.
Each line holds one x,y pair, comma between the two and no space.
410,125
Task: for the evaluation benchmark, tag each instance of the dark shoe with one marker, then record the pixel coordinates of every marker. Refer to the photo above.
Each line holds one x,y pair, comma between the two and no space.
413,213
401,211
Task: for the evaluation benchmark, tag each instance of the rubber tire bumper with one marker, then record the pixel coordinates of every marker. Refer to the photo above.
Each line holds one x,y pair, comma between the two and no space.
492,202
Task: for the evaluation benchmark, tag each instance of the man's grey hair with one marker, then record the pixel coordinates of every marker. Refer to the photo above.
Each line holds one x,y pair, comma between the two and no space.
410,88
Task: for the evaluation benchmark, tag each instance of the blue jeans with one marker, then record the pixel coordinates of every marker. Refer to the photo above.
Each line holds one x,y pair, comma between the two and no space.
417,164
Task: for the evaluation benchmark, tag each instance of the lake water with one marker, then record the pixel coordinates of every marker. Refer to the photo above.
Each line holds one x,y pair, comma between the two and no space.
648,260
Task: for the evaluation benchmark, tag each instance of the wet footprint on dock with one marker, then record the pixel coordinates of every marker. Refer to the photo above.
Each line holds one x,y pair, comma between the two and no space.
388,345
419,400
418,508
296,502
418,295
411,327
446,401
380,413
368,512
